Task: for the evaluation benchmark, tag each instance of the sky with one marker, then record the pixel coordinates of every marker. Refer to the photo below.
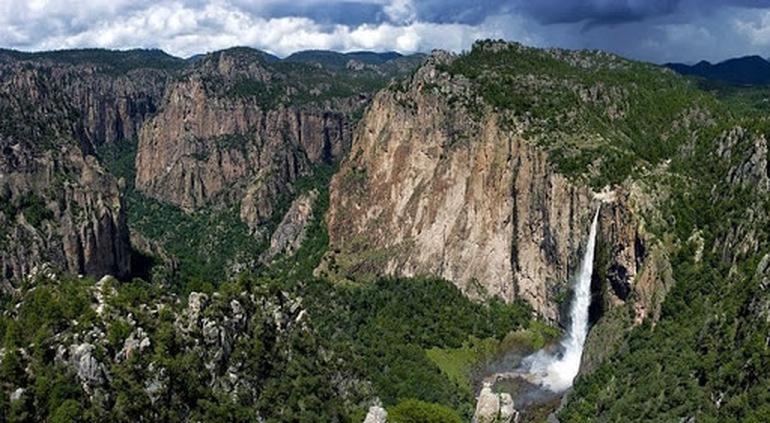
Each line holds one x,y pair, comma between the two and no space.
652,30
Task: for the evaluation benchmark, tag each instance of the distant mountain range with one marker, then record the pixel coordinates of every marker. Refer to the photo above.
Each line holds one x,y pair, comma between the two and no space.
152,58
748,70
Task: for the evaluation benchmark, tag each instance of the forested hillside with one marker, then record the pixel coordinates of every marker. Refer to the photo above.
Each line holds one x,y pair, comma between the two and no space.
238,237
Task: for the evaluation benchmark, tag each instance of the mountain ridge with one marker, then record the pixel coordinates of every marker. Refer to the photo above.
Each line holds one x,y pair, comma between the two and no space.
745,70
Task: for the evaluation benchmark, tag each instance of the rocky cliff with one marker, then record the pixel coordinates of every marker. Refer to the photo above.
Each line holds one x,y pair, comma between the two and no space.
745,182
114,108
113,93
56,203
484,169
233,131
438,184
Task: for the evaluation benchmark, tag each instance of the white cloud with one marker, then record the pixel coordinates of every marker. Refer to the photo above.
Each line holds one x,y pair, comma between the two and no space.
400,11
755,28
185,29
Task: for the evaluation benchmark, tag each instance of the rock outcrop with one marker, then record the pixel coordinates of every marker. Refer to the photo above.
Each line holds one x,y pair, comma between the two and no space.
288,236
57,204
632,276
435,186
746,156
239,139
234,345
110,98
376,414
76,221
90,372
760,306
492,407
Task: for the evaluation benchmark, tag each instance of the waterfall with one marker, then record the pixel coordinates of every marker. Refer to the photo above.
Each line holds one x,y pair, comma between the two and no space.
556,372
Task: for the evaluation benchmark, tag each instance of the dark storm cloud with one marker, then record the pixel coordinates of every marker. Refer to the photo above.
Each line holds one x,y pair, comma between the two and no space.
590,13
460,11
597,12
594,13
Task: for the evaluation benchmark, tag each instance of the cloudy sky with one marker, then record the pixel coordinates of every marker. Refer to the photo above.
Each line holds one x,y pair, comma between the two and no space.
654,30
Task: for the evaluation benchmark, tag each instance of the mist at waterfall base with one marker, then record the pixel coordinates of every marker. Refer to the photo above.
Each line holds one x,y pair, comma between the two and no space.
555,371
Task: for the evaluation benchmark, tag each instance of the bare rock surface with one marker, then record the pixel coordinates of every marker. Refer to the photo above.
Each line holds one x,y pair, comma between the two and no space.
432,187
222,143
58,204
288,236
376,414
494,407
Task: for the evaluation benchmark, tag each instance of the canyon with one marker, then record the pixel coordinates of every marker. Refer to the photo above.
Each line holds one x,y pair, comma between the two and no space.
252,217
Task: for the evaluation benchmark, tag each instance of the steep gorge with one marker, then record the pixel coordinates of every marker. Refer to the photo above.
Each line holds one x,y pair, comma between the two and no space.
482,169
239,129
58,204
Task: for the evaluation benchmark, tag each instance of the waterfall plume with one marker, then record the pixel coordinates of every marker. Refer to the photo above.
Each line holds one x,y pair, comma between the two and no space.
556,371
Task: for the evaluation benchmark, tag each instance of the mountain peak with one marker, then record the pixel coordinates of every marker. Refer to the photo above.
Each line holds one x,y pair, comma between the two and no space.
746,70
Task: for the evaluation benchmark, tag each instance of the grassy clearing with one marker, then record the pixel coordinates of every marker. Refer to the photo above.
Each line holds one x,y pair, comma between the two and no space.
458,364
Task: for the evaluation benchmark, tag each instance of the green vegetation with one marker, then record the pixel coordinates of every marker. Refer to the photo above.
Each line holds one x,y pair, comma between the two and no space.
588,108
308,349
377,333
30,205
459,364
390,323
206,243
742,100
267,96
112,61
38,125
297,83
338,61
412,411
301,264
56,310
383,330
386,328
307,84
707,357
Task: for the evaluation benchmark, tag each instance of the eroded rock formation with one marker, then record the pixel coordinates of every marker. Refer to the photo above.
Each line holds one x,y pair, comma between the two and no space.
492,407
433,187
228,142
57,204
288,236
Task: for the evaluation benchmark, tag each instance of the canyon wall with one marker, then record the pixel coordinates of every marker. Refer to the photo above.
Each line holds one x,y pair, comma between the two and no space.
432,187
216,140
439,183
57,205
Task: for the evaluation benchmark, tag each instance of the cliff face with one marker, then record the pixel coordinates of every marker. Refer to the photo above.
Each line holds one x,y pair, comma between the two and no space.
439,182
433,187
56,203
113,108
631,263
110,103
76,221
224,140
746,157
